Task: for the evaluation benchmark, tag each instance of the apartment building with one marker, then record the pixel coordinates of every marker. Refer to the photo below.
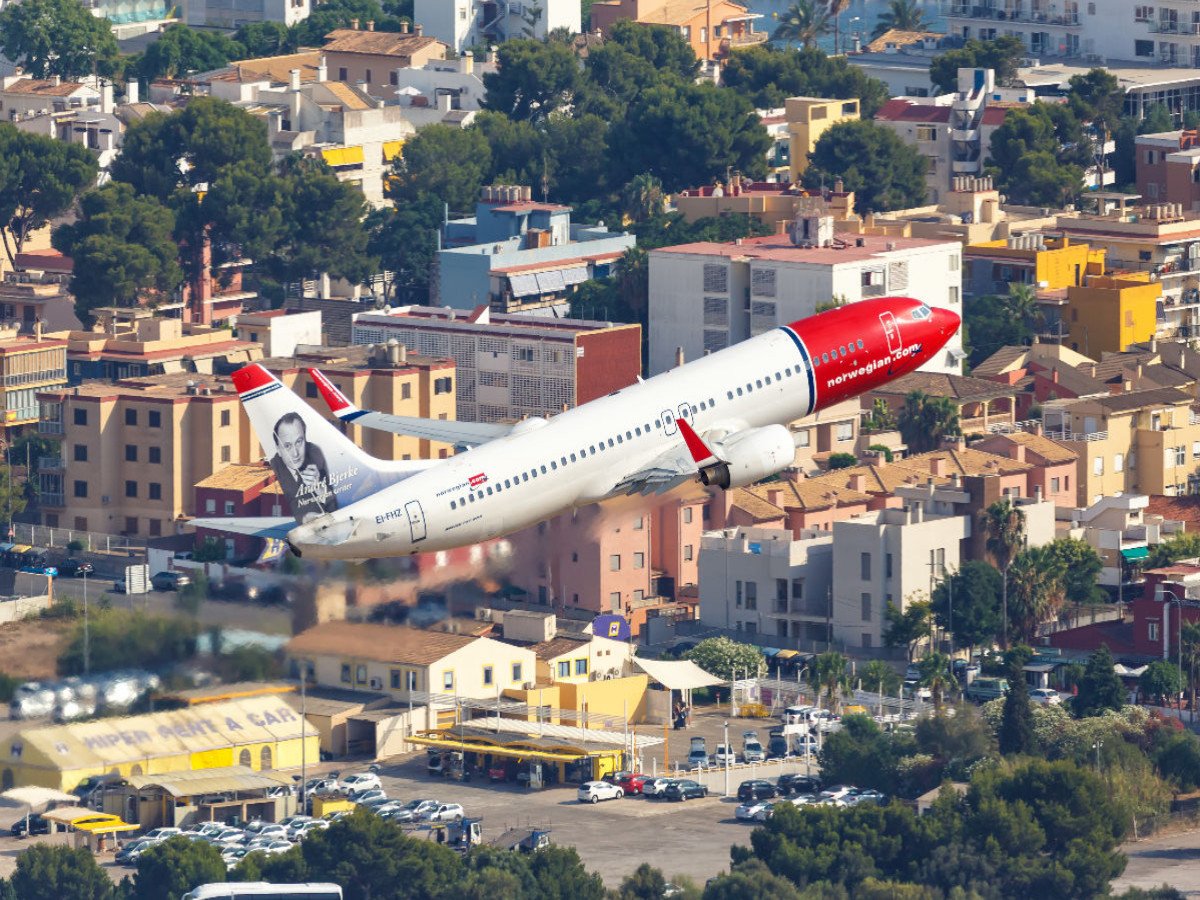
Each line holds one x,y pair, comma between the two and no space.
1033,258
467,23
774,203
134,450
713,29
231,14
27,365
511,367
370,58
1041,374
807,119
1122,530
1109,314
1052,465
280,331
707,296
1144,441
520,255
238,490
21,96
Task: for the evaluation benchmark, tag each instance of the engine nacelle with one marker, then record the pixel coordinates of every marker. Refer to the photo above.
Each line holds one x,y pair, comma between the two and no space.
750,456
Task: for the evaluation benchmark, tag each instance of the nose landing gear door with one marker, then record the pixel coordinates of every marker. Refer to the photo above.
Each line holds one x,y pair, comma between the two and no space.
416,519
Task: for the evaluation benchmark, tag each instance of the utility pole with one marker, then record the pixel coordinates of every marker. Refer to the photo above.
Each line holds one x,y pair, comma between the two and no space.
727,758
87,666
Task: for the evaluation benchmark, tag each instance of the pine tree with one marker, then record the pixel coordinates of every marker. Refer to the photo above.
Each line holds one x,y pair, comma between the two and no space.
1100,688
1016,723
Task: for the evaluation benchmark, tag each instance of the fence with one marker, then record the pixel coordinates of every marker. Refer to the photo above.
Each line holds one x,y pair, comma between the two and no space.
92,541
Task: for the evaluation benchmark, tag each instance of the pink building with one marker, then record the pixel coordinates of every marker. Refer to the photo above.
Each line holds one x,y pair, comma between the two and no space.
1053,464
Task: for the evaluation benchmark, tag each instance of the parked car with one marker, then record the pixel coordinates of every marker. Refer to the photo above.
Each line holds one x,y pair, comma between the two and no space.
262,829
444,812
867,796
632,782
912,673
168,581
838,792
725,754
308,828
1045,696
981,690
803,799
914,690
234,591
131,853
414,810
367,794
32,825
684,789
655,787
374,803
748,811
322,786
752,748
777,746
76,568
796,783
698,755
595,791
161,834
755,789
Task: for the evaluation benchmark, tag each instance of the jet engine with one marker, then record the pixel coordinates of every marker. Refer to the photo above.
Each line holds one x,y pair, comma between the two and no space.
749,456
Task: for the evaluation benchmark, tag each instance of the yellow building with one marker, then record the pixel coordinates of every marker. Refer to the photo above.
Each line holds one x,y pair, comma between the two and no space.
1136,441
808,118
261,733
1107,314
1037,260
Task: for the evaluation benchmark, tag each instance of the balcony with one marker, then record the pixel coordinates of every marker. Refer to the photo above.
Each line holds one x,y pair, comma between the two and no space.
1077,436
50,464
50,426
1035,17
748,39
49,499
965,135
966,166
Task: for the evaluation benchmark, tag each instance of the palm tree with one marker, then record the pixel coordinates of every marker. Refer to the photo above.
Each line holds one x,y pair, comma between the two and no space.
803,23
642,198
1004,525
904,15
1023,304
1037,591
935,675
633,280
829,675
926,421
878,676
1191,657
836,8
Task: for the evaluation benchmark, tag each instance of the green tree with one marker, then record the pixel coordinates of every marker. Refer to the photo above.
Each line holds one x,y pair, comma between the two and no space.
560,875
405,240
1191,655
174,867
633,281
1182,545
1079,567
659,45
57,37
989,324
1028,155
120,638
967,604
265,39
879,677
1097,98
722,657
1160,682
444,162
642,198
835,9
830,676
1016,723
860,753
751,879
1036,591
842,461
767,76
1004,525
905,15
123,250
533,80
709,130
334,14
884,172
803,23
1000,55
880,417
1099,689
180,50
908,628
56,872
936,675
1023,303
926,421
40,179
12,495
645,883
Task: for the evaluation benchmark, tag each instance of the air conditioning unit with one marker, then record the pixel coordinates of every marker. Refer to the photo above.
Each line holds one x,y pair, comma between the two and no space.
105,499
377,684
528,686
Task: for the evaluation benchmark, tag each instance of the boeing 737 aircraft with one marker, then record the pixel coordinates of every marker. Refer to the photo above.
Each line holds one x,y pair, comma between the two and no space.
721,419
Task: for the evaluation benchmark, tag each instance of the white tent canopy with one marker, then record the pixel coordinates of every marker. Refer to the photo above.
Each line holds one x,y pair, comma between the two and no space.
684,675
36,796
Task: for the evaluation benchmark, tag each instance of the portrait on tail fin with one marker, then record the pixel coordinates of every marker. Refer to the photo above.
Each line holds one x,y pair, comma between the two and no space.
301,469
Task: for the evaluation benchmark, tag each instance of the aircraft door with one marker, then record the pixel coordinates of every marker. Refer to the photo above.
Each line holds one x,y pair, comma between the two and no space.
891,331
668,420
685,412
416,519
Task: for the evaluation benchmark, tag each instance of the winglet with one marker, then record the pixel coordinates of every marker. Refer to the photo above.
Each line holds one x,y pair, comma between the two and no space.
701,455
334,399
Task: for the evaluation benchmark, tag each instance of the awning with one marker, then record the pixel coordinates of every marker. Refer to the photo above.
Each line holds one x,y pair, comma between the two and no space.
211,781
1131,553
36,796
522,285
549,282
392,149
69,815
770,651
678,676
20,548
106,827
498,750
787,654
575,275
343,156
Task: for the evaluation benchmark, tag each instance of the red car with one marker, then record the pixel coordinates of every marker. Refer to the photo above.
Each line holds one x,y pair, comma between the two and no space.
632,783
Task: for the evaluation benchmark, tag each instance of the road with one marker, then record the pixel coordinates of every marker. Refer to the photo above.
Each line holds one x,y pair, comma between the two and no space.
1173,859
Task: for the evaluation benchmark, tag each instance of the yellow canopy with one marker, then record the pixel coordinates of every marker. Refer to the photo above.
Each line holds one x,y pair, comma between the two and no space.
343,156
106,827
392,149
498,749
786,654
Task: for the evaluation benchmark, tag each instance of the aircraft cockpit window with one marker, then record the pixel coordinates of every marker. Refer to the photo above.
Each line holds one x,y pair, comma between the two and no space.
922,312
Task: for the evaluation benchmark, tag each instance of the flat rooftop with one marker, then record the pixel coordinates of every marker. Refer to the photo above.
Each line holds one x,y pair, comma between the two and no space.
779,248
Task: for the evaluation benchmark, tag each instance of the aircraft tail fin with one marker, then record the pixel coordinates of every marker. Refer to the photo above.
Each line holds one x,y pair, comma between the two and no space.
319,468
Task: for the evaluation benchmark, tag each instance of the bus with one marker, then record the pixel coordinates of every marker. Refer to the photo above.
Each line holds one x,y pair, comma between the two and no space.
261,890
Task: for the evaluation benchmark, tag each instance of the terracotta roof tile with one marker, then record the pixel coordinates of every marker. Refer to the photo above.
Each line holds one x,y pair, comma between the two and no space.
1181,509
388,43
809,495
901,110
381,643
237,478
1049,450
754,506
556,647
1003,360
43,88
957,387
966,462
898,37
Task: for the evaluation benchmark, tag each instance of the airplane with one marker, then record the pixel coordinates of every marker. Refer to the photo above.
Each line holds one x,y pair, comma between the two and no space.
720,419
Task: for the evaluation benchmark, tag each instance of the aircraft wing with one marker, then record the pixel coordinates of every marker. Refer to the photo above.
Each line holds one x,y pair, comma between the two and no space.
666,471
276,527
468,434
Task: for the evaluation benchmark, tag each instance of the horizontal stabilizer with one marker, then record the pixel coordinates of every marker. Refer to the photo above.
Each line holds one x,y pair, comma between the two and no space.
276,527
467,434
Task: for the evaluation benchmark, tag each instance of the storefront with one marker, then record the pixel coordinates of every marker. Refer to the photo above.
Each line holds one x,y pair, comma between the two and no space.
540,760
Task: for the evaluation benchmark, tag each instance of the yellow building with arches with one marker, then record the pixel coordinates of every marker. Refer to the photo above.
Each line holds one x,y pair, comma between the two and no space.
262,733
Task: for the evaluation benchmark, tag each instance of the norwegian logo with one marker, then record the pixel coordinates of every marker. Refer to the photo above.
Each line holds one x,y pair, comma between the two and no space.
476,480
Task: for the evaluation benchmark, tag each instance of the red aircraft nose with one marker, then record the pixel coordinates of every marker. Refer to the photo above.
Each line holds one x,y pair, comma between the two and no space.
946,323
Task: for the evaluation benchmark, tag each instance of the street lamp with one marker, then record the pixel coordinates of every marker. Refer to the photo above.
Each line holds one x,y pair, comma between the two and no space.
1096,745
1167,637
727,759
